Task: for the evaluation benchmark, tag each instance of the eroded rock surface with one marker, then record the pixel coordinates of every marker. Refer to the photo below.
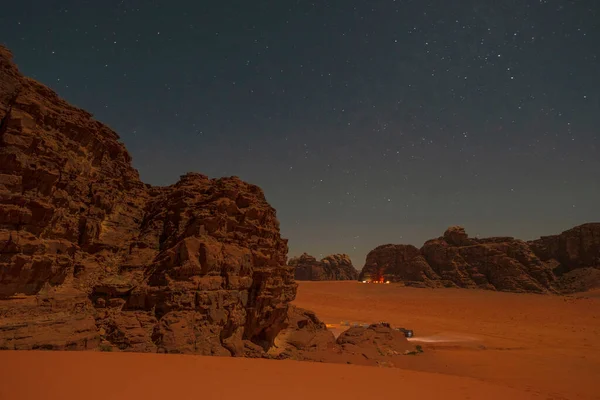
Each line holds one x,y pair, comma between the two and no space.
562,263
335,267
90,254
306,338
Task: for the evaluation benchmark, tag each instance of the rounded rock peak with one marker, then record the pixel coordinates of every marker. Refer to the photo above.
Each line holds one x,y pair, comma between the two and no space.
341,258
456,235
194,176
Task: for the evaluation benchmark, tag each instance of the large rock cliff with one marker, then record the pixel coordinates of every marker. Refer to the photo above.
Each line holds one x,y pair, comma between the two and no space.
91,256
564,263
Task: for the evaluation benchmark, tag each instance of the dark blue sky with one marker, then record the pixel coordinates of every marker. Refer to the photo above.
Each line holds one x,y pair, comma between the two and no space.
365,122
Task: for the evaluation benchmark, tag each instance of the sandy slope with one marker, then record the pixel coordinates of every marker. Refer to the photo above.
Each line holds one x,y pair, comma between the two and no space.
546,344
96,376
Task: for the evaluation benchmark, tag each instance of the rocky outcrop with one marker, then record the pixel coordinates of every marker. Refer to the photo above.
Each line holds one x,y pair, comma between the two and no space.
303,331
306,338
397,263
375,342
335,267
89,254
567,262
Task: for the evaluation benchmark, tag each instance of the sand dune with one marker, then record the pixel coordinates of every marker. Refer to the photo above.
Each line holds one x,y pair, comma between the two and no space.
96,376
546,344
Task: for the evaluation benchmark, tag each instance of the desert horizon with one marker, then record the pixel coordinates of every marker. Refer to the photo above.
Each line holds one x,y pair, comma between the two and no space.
476,344
293,200
153,271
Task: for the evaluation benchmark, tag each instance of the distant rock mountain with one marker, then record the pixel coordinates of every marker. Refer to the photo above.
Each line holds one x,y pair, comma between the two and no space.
565,263
335,267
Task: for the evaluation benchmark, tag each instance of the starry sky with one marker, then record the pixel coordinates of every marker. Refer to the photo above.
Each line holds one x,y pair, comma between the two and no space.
365,122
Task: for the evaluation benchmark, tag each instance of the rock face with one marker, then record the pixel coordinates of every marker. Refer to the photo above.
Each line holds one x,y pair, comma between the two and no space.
574,256
564,263
91,255
578,247
335,267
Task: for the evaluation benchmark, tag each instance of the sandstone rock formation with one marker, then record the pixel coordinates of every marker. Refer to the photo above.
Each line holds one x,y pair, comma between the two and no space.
335,267
376,342
306,338
303,331
563,263
89,254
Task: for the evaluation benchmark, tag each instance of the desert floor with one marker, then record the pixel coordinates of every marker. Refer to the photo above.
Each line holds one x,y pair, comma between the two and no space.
95,376
478,345
549,345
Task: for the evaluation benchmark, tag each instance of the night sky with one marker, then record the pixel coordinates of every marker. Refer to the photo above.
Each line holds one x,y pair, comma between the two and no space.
365,122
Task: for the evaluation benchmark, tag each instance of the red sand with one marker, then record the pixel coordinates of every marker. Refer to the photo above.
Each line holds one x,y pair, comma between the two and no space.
478,345
115,376
547,344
